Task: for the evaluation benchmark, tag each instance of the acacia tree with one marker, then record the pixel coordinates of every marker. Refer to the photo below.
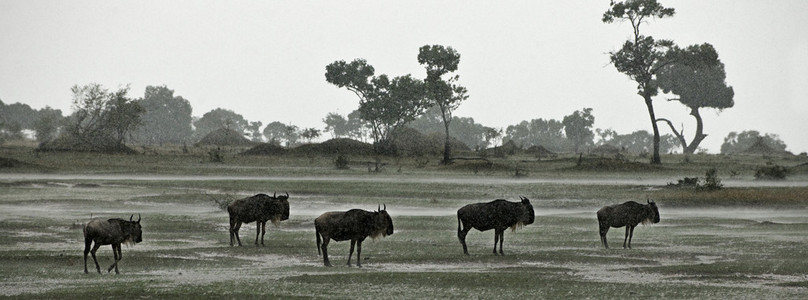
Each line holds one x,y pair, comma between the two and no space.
385,104
445,94
642,57
578,128
699,81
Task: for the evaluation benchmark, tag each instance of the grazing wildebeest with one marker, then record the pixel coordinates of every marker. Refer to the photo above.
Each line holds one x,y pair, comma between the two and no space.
354,225
498,215
628,214
260,209
110,232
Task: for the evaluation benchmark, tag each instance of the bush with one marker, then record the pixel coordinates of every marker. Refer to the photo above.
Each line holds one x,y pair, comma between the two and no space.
774,172
341,162
711,180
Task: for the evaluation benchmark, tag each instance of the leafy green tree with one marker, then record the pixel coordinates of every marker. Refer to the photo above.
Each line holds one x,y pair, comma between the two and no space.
167,118
698,85
638,142
491,135
445,94
643,56
463,129
356,127
220,118
254,130
336,124
102,120
18,115
538,132
47,124
740,142
310,133
275,132
578,128
384,103
291,135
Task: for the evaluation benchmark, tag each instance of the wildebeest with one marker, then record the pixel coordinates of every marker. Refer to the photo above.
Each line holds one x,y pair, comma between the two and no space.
354,225
628,214
498,215
110,232
260,209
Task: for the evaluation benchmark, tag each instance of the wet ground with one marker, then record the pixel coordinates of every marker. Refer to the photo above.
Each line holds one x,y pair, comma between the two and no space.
715,252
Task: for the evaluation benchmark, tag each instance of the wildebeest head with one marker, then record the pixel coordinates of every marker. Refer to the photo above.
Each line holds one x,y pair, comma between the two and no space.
283,200
134,230
655,217
383,222
527,216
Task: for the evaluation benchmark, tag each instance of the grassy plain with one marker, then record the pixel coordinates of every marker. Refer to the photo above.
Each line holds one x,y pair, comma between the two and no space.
745,241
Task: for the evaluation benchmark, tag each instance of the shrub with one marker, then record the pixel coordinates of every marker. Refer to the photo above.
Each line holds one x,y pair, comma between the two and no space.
711,180
771,172
341,162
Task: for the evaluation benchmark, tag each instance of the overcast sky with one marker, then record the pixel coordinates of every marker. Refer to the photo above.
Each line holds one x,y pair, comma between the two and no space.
520,60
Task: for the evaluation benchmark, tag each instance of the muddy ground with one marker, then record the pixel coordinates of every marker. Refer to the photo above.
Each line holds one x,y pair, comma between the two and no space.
704,252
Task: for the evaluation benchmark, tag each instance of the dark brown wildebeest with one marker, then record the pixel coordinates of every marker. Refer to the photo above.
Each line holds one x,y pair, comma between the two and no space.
260,209
628,214
498,215
110,232
354,225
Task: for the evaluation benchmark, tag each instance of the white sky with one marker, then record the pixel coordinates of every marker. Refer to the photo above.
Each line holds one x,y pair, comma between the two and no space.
520,60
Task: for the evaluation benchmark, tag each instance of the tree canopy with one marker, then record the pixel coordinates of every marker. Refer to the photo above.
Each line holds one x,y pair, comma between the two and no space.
384,103
166,118
698,79
446,94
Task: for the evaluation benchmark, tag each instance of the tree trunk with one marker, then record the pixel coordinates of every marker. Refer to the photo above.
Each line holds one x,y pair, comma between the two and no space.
699,132
447,146
678,134
694,145
649,103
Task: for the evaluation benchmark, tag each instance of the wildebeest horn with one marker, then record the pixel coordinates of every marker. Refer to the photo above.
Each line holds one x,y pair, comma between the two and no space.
138,217
274,194
287,194
379,208
385,207
130,217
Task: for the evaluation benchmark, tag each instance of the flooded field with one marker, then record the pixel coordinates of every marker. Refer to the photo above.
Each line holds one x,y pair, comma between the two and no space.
694,252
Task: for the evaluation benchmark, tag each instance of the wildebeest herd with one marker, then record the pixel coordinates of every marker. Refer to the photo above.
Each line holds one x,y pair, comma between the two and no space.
356,224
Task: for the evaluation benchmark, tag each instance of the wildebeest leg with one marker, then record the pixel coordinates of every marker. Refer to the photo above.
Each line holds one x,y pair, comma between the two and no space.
630,235
263,231
461,234
257,231
116,254
87,243
95,248
496,239
628,229
325,251
501,241
350,253
603,231
358,253
232,230
235,232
